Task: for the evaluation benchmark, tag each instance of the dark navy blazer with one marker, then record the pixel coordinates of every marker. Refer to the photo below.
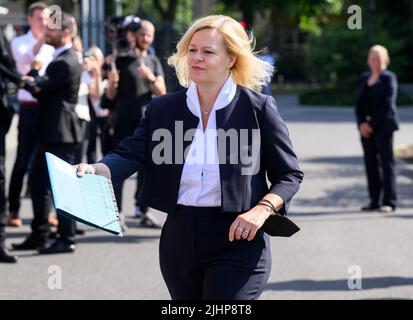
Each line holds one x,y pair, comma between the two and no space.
58,122
383,115
239,193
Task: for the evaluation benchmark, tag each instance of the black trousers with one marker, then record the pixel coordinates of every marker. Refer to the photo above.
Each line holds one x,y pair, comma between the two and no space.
41,192
84,144
26,143
380,168
98,127
199,262
138,202
118,189
3,217
123,130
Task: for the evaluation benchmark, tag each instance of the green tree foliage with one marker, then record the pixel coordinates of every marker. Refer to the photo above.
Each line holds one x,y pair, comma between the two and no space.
171,18
306,14
338,55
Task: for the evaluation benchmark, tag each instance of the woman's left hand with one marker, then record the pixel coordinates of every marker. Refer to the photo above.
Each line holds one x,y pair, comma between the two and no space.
246,225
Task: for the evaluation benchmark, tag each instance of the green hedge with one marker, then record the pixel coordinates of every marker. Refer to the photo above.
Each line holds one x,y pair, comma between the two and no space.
338,56
341,97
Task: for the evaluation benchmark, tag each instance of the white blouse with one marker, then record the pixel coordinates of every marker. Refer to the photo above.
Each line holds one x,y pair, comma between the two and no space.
200,184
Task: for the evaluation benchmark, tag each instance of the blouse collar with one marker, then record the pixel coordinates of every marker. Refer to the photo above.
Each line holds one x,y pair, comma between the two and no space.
225,96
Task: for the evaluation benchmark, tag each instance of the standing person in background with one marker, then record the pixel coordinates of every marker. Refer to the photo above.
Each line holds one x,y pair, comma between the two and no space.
267,57
99,125
377,120
30,52
7,72
131,24
58,132
82,107
140,77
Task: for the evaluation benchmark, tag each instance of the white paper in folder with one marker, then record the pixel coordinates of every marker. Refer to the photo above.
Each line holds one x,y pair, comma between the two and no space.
89,199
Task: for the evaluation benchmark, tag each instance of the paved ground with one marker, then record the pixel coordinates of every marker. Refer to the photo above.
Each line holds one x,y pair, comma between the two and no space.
336,241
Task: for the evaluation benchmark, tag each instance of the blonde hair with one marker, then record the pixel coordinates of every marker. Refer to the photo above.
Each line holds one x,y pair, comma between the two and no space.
248,70
97,53
383,53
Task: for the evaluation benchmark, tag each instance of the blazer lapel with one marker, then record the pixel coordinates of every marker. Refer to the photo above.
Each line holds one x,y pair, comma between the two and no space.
222,115
184,120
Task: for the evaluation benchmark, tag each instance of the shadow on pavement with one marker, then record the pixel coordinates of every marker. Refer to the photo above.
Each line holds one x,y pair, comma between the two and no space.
400,216
351,195
318,115
115,239
18,234
355,167
355,213
88,238
339,285
344,197
292,111
325,213
337,160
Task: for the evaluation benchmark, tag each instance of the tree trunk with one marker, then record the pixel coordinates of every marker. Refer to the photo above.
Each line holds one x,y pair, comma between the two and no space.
411,26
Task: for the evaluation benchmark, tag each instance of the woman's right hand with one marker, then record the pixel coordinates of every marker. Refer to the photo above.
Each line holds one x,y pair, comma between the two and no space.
84,168
365,130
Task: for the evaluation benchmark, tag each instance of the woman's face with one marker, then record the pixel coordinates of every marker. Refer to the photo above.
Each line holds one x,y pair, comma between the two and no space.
376,62
208,61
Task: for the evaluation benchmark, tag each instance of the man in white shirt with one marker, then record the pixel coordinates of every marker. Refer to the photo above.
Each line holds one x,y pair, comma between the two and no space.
31,55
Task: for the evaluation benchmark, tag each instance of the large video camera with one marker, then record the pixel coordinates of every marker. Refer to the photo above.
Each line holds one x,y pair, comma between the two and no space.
120,26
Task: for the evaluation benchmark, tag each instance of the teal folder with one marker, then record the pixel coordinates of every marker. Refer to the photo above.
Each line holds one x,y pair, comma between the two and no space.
89,199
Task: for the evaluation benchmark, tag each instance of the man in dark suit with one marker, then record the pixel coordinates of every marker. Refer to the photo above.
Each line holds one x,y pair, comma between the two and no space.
7,72
58,132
